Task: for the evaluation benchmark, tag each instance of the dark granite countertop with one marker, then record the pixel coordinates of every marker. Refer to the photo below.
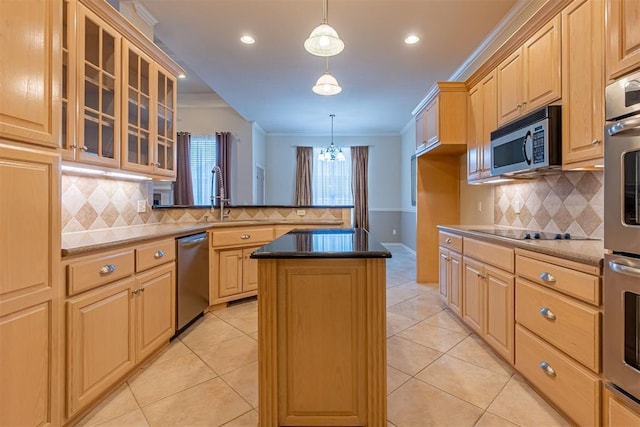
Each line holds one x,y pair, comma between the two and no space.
324,243
255,206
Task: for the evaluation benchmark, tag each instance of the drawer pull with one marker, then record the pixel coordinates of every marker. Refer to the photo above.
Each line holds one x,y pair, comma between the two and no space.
544,311
245,236
158,254
108,269
547,369
547,277
447,240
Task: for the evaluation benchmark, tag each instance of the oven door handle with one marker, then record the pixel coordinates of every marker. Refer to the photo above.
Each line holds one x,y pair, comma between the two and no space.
623,126
624,269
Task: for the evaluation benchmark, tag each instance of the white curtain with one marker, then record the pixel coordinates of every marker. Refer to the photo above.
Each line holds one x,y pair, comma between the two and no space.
331,182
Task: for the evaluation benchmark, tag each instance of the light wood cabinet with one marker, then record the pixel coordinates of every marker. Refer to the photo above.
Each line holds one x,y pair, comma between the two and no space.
441,124
100,341
99,90
117,316
488,294
482,121
558,342
619,410
531,76
29,284
450,281
30,67
623,37
234,274
165,114
582,84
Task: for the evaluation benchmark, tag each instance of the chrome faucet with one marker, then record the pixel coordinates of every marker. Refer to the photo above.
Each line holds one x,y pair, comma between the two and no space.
216,170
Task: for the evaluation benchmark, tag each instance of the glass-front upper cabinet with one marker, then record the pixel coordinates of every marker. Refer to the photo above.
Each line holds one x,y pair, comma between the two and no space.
98,129
68,134
165,161
136,136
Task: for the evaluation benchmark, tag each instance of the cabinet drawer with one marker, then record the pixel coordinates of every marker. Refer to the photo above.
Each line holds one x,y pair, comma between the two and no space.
496,255
571,326
245,236
571,282
154,254
451,241
572,388
90,273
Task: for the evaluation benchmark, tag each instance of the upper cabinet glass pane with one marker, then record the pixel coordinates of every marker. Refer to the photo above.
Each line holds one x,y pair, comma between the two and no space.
92,42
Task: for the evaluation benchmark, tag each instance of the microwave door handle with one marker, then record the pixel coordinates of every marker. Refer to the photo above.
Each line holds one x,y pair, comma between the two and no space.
625,269
527,137
623,126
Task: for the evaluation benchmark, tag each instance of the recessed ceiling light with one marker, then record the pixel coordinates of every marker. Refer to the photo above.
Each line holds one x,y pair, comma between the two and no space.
247,40
412,39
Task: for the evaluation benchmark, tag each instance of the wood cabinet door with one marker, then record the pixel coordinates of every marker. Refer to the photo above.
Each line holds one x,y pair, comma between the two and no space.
619,410
249,270
99,90
443,273
68,94
136,115
155,309
623,35
165,119
582,82
541,77
230,272
474,129
432,123
489,122
420,136
509,80
100,341
499,311
30,67
473,294
455,283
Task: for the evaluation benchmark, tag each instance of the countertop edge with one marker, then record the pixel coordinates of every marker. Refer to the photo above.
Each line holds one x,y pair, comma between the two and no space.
533,246
175,230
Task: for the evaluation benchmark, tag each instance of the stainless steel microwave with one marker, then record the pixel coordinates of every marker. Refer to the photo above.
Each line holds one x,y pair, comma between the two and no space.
528,146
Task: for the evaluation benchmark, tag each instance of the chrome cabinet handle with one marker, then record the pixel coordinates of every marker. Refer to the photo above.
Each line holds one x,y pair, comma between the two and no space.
547,277
595,142
545,312
547,369
624,269
157,164
447,240
84,148
158,254
135,291
245,236
108,269
444,257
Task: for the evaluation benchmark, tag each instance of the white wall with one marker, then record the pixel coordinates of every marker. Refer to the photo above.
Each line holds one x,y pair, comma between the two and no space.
259,155
408,212
208,120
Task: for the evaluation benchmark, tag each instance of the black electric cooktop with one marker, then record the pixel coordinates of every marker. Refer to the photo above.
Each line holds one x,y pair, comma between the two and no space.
521,234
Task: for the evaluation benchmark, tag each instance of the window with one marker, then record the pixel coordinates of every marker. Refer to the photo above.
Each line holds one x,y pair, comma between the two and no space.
203,158
331,181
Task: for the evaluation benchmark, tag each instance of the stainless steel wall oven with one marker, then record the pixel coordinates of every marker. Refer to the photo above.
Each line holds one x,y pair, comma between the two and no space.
622,237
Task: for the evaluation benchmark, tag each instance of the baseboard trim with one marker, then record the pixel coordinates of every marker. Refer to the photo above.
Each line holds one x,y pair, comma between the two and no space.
400,244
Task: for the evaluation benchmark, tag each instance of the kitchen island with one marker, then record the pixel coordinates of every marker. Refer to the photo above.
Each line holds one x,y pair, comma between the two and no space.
321,329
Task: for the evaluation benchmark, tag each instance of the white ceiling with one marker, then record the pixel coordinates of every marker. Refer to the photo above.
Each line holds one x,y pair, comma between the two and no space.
270,82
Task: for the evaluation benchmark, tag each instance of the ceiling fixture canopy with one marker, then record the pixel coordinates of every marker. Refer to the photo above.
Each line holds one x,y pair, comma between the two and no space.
331,153
324,40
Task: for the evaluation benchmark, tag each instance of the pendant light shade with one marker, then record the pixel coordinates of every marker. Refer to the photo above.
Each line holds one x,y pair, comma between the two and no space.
327,85
324,40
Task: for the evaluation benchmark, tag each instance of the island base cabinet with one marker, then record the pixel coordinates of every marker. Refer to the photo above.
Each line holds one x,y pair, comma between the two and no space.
573,389
322,342
100,343
618,409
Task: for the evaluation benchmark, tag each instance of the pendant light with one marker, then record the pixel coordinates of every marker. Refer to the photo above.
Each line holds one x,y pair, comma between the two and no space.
324,40
327,84
332,153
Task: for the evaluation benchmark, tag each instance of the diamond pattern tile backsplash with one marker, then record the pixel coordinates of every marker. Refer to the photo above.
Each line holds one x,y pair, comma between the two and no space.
97,203
570,202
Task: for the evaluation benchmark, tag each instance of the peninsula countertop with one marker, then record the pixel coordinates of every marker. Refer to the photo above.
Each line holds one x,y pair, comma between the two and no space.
324,243
83,242
585,251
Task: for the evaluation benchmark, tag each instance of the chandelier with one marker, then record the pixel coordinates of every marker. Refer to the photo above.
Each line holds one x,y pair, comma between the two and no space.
324,40
331,153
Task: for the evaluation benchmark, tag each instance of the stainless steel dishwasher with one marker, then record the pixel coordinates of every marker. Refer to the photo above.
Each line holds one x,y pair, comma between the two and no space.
192,286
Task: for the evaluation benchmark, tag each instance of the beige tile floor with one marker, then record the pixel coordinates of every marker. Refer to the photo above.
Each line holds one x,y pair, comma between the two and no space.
439,373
